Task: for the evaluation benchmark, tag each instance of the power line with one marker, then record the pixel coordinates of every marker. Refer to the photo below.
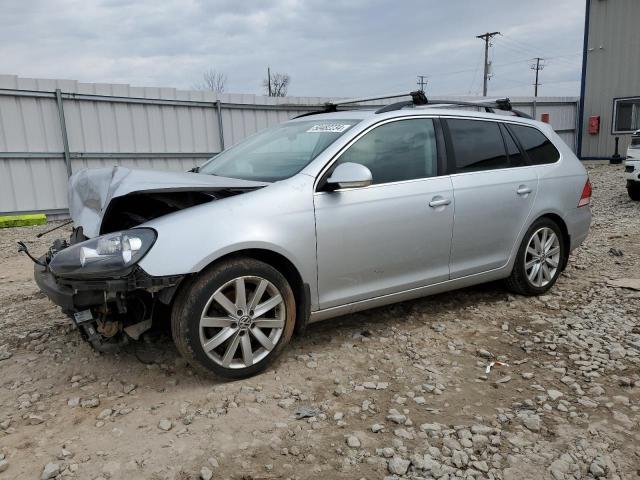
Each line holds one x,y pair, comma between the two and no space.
525,47
486,37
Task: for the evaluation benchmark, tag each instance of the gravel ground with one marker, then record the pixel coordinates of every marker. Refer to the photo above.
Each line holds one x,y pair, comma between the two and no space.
400,391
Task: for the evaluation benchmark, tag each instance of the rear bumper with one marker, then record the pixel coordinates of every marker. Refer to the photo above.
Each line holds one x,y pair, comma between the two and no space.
578,223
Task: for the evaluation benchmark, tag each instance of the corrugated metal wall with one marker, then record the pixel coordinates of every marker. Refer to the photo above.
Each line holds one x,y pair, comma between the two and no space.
140,127
613,70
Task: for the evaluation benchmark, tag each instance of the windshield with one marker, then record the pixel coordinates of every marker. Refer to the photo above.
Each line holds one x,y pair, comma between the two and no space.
279,152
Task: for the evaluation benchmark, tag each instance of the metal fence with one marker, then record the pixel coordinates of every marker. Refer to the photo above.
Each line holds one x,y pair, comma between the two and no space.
52,128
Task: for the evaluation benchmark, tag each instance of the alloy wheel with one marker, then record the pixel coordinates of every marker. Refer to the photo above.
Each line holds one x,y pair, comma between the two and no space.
242,322
542,258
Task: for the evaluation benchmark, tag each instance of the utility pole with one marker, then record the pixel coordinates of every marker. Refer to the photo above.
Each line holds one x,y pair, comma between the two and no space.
486,37
422,81
269,80
537,67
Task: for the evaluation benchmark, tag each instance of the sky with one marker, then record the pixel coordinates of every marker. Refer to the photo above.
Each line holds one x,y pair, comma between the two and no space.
342,48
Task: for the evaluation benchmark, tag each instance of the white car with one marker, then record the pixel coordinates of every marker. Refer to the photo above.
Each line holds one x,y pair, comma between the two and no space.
632,167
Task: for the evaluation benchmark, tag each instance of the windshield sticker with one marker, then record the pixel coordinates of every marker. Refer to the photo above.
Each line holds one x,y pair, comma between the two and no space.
328,128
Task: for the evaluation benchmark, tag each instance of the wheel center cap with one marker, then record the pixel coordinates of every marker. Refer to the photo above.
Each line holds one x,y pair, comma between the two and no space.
244,322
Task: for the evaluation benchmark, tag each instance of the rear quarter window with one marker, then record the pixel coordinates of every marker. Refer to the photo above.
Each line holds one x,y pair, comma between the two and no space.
538,147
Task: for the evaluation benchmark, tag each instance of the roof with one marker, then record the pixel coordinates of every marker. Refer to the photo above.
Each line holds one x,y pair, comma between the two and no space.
430,110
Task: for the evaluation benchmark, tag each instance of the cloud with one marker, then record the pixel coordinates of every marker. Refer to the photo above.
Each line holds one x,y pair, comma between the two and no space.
329,48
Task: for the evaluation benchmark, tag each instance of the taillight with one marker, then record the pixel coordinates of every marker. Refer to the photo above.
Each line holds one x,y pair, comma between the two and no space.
585,198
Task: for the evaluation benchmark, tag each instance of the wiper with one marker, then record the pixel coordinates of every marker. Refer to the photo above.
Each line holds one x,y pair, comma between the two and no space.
195,170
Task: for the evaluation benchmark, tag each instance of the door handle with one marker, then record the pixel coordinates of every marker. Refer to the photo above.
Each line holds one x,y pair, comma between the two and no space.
439,202
523,190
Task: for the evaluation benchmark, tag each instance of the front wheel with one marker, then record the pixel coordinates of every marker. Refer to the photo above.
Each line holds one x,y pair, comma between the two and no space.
234,318
633,189
540,259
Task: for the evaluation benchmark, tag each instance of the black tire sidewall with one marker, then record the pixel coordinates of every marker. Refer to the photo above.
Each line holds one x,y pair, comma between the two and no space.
538,224
194,297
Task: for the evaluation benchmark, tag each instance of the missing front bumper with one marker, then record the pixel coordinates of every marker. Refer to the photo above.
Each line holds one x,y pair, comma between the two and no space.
74,295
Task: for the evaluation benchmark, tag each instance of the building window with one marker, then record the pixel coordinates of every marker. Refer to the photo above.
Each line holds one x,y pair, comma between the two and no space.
626,115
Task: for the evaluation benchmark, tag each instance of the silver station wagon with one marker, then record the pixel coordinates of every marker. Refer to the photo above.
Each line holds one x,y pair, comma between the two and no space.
324,215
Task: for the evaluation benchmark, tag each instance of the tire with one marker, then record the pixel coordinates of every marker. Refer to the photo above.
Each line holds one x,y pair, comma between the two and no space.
633,189
209,316
523,279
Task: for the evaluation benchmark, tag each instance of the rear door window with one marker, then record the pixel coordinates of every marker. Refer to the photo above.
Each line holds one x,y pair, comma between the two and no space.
539,148
477,145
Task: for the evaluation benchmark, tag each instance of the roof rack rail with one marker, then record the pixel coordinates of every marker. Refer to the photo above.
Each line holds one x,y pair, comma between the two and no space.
503,104
417,98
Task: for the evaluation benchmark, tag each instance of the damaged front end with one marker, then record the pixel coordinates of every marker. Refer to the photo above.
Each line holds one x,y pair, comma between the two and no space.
94,276
100,286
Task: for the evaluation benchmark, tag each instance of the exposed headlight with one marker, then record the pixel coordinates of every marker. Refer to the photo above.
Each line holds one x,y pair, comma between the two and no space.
113,254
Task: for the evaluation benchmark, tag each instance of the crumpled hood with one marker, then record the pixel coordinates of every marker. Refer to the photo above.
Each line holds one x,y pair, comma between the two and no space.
91,190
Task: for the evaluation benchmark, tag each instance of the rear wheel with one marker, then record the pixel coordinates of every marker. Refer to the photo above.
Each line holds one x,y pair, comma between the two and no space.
633,189
235,318
540,259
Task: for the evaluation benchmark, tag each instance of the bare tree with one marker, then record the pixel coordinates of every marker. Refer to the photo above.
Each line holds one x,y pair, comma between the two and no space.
276,84
212,80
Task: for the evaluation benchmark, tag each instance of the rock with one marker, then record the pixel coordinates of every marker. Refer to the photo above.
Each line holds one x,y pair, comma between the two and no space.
398,465
35,420
479,441
527,375
630,283
50,471
587,402
4,464
90,403
104,414
481,465
5,355
73,402
625,382
554,394
623,419
403,433
370,385
353,441
376,427
597,470
387,452
504,379
165,424
460,458
484,353
430,427
481,429
617,353
396,417
532,422
206,473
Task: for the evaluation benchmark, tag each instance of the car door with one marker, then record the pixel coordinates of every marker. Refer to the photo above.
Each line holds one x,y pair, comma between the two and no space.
385,238
494,191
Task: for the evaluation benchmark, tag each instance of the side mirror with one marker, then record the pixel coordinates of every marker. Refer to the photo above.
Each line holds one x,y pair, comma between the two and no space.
350,175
